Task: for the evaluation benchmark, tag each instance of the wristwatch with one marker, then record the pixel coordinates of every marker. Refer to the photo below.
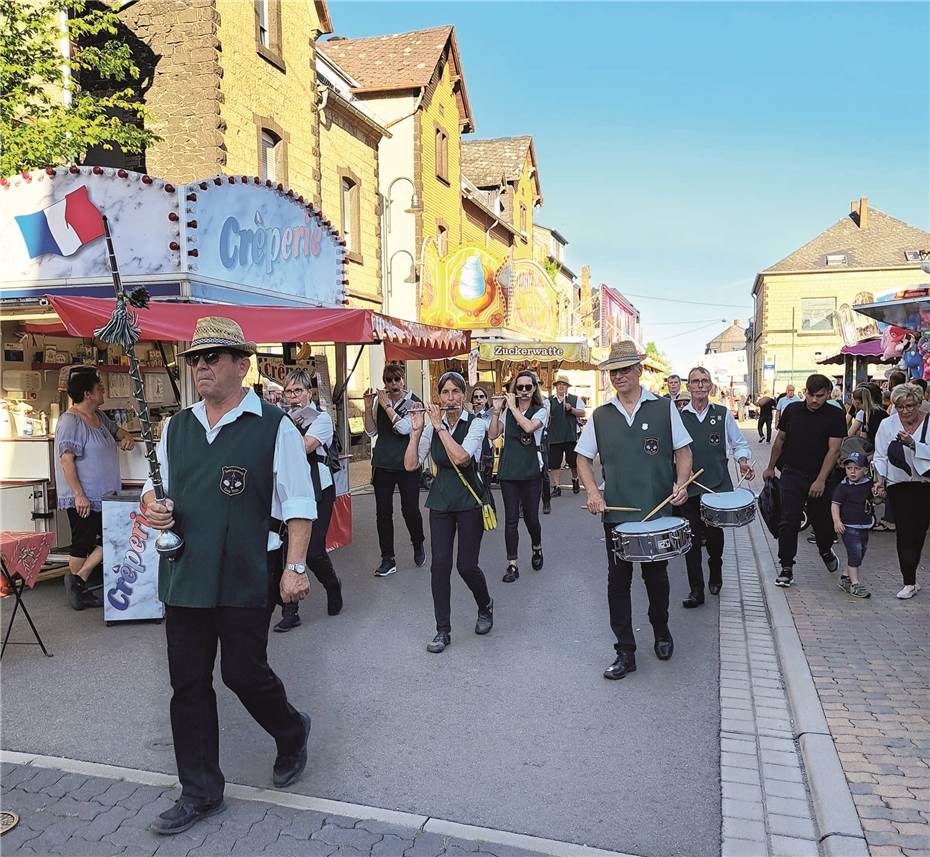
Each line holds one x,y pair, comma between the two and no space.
296,567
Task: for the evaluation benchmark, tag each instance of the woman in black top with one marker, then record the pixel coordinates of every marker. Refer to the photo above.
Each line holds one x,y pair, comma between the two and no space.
481,408
867,417
451,436
520,471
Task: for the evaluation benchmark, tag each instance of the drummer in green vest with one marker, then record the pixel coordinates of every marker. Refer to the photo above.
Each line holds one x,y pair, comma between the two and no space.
234,469
645,457
452,437
714,434
564,410
386,420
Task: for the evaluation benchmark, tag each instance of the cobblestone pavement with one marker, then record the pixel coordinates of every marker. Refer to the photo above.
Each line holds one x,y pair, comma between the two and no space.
87,816
870,660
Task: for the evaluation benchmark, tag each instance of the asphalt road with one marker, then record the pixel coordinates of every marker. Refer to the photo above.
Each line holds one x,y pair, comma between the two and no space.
515,731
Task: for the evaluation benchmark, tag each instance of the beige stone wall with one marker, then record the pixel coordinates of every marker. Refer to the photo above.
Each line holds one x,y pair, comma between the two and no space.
524,194
347,147
175,44
253,86
778,318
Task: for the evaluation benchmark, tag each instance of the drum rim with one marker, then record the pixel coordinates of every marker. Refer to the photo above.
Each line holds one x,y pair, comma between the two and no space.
707,500
680,522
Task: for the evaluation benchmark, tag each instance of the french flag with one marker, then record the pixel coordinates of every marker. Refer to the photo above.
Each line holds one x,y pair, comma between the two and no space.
62,228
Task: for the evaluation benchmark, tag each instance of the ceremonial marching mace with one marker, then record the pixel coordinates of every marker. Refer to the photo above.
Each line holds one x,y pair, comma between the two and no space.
123,329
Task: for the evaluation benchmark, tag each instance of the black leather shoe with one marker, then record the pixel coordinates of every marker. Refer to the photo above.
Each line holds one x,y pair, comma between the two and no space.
556,492
184,815
714,587
695,599
289,619
537,561
288,768
439,643
419,555
664,649
334,598
511,574
485,618
625,663
576,488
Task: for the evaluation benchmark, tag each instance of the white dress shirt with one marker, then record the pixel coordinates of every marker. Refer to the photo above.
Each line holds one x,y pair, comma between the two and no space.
587,443
579,407
402,426
471,443
918,459
322,429
292,496
736,443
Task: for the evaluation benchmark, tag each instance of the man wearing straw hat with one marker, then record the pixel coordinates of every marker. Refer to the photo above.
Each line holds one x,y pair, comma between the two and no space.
564,410
234,468
645,456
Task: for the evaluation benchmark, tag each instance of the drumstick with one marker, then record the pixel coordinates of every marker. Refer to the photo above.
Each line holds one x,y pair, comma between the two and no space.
708,490
617,508
668,499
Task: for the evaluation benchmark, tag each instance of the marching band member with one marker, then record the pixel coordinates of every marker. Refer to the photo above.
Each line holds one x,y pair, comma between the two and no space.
714,432
645,451
564,410
386,417
452,437
520,469
317,429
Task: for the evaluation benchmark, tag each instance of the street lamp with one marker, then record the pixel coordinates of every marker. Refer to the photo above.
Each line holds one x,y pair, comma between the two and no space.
411,276
415,205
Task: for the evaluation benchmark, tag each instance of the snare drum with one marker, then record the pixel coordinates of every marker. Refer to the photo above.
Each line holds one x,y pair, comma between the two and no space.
728,508
651,541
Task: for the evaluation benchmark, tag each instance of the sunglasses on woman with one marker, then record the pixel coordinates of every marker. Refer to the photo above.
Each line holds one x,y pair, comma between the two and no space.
524,388
478,396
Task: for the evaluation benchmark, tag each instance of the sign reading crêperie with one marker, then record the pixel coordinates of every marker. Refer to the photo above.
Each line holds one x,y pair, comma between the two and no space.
256,236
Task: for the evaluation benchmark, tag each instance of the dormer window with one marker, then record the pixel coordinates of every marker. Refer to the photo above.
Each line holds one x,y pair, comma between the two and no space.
835,259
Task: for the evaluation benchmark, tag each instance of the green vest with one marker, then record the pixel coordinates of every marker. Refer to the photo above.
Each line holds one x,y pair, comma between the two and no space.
709,448
447,493
637,460
391,446
563,427
519,458
222,505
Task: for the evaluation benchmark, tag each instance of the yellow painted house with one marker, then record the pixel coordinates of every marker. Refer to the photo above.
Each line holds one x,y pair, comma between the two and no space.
805,301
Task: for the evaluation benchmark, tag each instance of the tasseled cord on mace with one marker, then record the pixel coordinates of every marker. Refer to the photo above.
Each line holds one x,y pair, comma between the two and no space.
122,329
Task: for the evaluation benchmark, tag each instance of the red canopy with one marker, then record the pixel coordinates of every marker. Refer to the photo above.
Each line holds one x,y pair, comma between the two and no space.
175,322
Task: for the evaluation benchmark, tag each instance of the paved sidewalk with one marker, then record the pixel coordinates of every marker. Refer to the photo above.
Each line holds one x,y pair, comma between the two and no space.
78,815
870,661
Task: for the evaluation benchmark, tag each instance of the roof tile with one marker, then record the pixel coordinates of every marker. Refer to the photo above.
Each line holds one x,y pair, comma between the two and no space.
488,162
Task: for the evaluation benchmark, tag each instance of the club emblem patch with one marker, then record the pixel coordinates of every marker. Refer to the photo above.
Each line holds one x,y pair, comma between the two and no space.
714,438
232,481
713,421
526,438
651,446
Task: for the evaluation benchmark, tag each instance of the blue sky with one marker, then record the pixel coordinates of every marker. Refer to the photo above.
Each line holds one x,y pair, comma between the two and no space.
683,147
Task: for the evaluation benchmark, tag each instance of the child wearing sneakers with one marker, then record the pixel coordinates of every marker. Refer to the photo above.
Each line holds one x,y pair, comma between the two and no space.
852,519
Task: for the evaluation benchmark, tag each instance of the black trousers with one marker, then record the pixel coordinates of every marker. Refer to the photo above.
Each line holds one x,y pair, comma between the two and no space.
767,422
318,560
794,498
619,581
912,520
192,635
442,530
713,539
408,484
519,493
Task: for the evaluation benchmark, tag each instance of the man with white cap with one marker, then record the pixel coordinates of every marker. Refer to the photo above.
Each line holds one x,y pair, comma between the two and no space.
645,456
564,410
234,469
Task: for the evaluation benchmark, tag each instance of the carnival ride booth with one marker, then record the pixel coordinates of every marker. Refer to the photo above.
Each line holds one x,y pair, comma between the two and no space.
859,362
227,245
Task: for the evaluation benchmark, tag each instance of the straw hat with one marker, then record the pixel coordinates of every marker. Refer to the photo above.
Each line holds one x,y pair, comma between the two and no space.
622,354
214,331
563,379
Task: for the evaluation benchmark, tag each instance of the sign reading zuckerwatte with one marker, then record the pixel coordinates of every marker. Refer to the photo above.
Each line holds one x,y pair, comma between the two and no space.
256,236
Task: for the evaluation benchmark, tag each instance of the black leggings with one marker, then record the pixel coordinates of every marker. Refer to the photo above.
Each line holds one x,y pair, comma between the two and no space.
912,519
408,484
442,528
318,560
517,493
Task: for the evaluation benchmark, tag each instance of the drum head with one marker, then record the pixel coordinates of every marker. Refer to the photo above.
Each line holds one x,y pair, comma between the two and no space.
656,525
728,499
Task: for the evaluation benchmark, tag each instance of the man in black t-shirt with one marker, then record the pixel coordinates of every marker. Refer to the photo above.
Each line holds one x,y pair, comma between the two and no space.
805,451
766,406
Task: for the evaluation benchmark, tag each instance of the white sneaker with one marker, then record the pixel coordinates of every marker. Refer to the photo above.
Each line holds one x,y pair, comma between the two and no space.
909,591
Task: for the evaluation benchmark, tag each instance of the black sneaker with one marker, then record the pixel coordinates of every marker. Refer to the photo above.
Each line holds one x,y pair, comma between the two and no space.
576,486
184,815
511,574
485,618
547,508
785,577
830,560
288,767
290,618
439,642
334,598
537,561
419,555
80,595
556,492
388,566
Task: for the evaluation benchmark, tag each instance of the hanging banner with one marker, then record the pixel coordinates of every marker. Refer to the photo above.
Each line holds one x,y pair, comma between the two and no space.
463,290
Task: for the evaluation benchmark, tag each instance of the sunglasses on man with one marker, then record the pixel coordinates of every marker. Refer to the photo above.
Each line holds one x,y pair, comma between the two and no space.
524,388
210,357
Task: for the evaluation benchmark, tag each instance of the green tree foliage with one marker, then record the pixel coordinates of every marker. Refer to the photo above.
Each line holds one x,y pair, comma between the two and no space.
38,126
